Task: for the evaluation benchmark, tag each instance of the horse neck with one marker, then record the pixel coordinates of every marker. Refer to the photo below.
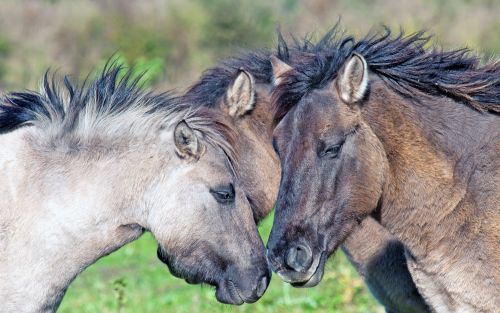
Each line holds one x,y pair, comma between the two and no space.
430,147
63,213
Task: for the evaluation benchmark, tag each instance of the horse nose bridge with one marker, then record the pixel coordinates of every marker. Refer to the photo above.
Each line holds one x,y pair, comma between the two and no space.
295,177
250,251
286,219
289,209
286,194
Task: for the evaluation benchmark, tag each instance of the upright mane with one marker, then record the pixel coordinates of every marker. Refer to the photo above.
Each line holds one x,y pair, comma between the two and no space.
402,61
113,104
214,82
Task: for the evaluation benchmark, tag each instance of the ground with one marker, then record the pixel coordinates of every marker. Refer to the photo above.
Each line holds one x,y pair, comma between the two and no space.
134,280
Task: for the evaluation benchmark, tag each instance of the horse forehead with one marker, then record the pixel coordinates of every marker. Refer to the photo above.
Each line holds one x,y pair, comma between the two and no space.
315,112
213,160
307,119
298,131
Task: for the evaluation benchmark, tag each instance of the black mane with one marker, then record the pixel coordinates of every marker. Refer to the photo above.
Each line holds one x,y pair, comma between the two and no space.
402,61
113,91
213,83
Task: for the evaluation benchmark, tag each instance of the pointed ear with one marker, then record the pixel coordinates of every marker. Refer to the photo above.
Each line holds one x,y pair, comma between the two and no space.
240,95
279,69
187,144
352,83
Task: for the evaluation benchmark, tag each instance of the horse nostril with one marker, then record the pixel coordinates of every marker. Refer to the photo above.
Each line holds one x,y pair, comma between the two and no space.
299,257
261,286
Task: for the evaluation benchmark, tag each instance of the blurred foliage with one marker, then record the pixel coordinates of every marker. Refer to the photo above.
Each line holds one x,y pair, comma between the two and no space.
4,50
172,42
177,39
147,70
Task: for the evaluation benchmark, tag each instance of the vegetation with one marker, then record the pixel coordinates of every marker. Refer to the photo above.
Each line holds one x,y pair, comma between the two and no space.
134,280
175,40
180,38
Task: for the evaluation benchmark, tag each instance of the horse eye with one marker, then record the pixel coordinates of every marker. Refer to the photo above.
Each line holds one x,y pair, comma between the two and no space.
224,195
332,151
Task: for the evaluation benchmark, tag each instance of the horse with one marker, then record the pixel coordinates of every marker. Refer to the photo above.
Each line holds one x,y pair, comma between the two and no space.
388,129
241,92
87,169
248,78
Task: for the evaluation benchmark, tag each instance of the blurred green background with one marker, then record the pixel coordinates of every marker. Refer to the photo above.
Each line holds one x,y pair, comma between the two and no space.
176,40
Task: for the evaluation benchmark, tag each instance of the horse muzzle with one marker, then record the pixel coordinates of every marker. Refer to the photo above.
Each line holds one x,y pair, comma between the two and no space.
236,289
299,266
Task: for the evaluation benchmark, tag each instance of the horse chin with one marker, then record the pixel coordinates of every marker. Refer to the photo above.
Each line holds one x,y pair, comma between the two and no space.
192,281
316,276
189,277
227,293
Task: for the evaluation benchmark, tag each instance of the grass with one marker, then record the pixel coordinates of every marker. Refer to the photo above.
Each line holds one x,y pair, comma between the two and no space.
133,280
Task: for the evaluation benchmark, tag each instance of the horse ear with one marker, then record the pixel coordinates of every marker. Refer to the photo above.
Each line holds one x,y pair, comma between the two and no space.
279,69
187,144
240,96
352,83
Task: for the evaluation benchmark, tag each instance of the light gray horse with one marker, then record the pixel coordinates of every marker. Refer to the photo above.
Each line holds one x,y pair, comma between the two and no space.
87,170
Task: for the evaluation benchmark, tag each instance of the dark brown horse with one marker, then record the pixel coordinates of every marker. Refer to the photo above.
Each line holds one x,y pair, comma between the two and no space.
244,95
240,88
384,127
